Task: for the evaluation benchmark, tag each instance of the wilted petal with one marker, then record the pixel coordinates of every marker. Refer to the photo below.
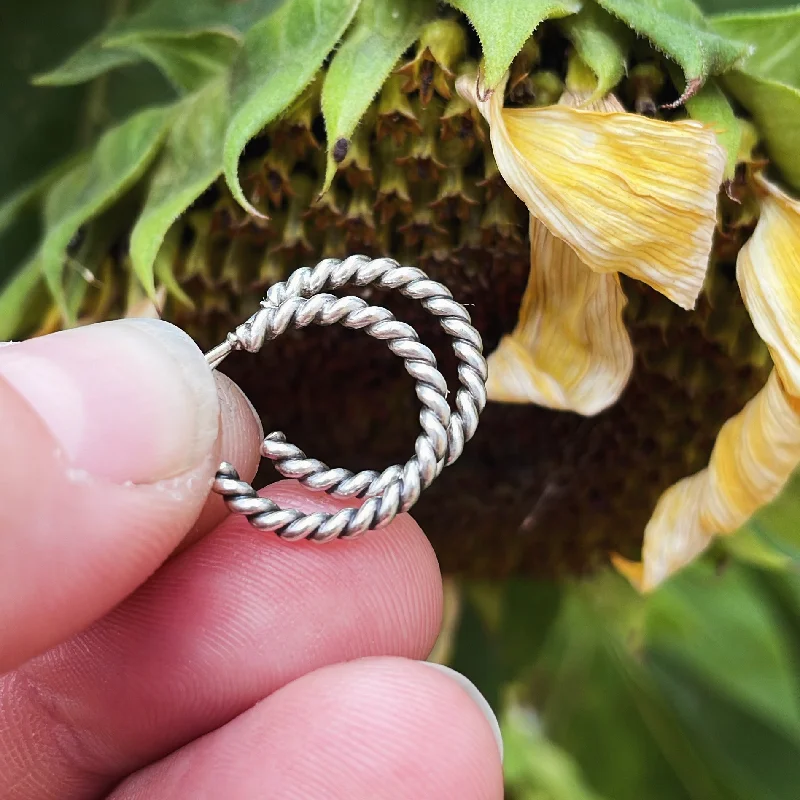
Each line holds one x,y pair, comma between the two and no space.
628,193
768,271
758,449
570,349
674,536
754,455
575,98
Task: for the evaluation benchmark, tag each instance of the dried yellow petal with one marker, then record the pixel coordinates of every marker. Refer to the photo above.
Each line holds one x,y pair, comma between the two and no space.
675,534
768,271
628,193
758,449
570,349
754,455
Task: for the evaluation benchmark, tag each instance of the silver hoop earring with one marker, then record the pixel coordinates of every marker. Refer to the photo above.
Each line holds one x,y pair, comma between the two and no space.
300,301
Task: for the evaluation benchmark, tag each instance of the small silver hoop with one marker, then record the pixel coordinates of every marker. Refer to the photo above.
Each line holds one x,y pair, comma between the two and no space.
299,301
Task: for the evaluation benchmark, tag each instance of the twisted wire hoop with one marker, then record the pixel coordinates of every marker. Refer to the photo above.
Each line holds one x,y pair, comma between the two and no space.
300,301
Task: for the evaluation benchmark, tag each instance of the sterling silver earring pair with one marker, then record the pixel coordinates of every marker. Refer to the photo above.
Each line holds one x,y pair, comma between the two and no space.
300,301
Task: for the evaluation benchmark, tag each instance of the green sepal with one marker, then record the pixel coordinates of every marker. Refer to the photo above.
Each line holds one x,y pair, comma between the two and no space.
602,42
16,297
120,158
191,161
503,26
280,57
382,30
711,106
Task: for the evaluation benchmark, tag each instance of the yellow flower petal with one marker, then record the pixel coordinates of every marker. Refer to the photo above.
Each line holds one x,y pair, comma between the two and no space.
575,98
629,194
570,349
758,449
675,534
754,455
632,570
768,271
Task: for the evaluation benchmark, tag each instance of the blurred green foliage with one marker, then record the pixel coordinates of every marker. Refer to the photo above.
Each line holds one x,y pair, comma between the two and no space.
692,692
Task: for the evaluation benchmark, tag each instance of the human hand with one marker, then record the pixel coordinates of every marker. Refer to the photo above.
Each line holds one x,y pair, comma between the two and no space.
242,666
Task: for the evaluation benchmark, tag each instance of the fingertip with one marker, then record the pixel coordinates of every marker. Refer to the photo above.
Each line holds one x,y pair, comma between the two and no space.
129,401
375,727
475,696
239,442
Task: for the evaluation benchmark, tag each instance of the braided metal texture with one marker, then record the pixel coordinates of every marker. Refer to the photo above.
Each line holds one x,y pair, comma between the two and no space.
300,301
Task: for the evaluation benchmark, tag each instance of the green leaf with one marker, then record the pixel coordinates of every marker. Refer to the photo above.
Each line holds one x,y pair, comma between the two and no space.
704,620
767,83
503,26
20,217
45,127
602,42
711,106
381,32
721,6
91,60
280,57
750,546
475,653
529,609
759,759
16,298
165,266
535,767
775,108
41,128
593,690
777,523
117,162
164,32
191,161
188,62
502,631
775,36
679,29
232,18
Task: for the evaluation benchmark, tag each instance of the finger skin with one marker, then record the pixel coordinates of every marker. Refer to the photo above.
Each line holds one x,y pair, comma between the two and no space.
239,441
72,545
375,729
217,629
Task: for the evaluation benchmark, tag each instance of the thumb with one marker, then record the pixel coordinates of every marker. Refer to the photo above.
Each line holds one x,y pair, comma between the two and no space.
109,439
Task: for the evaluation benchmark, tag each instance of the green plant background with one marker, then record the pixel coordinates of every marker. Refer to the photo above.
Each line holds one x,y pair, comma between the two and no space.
692,692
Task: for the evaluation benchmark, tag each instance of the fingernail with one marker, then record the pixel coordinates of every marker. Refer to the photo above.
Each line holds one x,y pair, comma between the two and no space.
129,400
469,687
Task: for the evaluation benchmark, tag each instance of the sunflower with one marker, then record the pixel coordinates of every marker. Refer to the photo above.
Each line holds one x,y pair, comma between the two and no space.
608,186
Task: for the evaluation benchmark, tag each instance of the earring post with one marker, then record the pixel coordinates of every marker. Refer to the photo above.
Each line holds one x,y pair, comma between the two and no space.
218,354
